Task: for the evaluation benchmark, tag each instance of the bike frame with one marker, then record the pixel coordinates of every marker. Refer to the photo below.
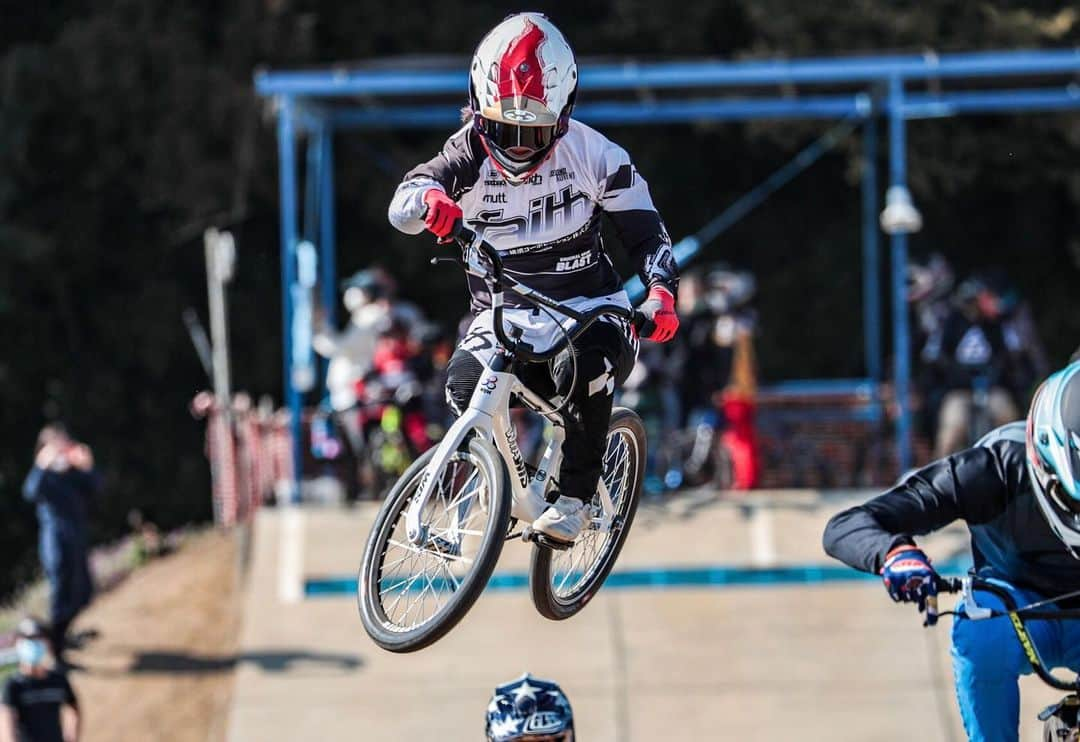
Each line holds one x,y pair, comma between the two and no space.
488,415
489,408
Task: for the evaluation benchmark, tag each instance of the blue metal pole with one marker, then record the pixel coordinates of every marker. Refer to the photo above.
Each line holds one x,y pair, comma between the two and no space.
287,167
871,253
327,229
310,224
901,341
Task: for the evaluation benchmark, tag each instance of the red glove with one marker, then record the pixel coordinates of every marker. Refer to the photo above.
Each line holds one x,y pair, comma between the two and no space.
661,322
442,212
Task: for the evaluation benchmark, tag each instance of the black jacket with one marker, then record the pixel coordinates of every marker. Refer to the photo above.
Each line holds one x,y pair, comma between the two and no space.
988,487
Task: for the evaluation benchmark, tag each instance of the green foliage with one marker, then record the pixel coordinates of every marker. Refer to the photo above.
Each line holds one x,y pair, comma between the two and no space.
128,126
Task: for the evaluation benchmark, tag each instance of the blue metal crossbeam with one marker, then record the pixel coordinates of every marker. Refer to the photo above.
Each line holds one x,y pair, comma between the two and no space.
924,105
630,76
312,116
626,113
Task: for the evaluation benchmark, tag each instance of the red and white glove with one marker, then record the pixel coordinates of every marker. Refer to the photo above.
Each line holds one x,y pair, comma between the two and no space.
661,322
442,212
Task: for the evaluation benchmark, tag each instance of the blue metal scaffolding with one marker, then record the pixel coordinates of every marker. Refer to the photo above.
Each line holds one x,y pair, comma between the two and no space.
317,103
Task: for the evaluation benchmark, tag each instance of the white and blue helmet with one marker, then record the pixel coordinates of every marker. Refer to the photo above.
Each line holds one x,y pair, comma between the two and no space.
1053,453
529,709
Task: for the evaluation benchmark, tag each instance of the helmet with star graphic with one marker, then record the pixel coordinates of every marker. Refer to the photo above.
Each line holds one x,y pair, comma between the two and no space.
529,709
522,86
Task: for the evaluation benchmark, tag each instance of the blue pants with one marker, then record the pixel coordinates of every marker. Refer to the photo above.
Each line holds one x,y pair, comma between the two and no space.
988,660
64,557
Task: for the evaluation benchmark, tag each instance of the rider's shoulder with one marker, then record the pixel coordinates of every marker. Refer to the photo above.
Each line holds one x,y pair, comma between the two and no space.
1007,443
593,152
1014,433
589,139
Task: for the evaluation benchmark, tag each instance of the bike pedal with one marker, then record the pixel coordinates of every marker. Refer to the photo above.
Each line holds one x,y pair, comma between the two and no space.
528,534
551,543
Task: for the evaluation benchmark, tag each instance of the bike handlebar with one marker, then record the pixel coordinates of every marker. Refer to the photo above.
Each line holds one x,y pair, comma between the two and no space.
949,584
498,280
1015,614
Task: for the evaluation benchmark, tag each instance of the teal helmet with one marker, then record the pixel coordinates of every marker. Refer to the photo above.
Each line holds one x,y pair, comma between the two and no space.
1053,453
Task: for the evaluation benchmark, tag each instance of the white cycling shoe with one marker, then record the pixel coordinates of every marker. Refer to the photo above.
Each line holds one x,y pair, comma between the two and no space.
528,508
565,520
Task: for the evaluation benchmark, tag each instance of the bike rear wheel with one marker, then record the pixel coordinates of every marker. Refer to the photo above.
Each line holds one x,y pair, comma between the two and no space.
411,595
563,582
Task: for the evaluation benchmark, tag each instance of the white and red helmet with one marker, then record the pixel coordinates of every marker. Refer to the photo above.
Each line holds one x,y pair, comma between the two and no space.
522,86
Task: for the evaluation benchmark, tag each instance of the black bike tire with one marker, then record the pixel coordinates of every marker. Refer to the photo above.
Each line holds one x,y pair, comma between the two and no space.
547,603
472,585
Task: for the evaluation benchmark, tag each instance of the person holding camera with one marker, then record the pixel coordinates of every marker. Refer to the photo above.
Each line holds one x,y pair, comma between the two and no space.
60,485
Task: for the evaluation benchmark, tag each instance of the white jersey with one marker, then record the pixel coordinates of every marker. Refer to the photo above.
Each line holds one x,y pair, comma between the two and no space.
548,228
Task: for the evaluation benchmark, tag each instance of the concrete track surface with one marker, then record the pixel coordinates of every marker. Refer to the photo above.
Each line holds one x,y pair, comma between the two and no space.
833,660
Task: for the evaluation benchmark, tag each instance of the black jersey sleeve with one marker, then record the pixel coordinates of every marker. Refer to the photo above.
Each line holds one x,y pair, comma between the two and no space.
625,198
972,485
455,169
69,693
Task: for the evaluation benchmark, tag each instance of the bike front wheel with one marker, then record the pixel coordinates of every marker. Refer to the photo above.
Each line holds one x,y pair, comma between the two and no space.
1057,729
410,595
563,582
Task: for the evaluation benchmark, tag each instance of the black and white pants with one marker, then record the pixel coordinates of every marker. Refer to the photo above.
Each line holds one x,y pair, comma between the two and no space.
605,354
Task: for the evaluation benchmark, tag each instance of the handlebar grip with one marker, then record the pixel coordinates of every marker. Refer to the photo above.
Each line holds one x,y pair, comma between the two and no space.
639,321
949,585
461,232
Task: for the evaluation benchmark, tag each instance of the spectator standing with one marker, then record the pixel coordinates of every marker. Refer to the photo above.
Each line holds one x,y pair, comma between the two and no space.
929,285
720,382
61,485
929,292
39,704
370,298
1030,361
969,352
352,351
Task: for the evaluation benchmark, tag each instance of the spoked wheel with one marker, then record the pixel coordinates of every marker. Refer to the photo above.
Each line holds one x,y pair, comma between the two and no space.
411,595
1061,726
563,582
1056,730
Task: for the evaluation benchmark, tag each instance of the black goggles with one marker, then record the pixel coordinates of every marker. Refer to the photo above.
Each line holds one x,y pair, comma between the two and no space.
516,141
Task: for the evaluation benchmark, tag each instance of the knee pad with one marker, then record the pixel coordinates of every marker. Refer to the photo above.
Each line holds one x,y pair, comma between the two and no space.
603,361
462,376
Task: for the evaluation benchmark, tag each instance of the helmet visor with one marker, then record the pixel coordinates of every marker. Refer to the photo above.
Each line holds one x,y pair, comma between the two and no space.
517,142
1068,507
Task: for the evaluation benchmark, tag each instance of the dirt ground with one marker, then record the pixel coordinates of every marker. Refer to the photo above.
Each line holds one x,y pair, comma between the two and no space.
162,665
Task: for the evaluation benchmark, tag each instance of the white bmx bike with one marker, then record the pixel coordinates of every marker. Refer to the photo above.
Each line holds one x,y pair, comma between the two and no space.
436,540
